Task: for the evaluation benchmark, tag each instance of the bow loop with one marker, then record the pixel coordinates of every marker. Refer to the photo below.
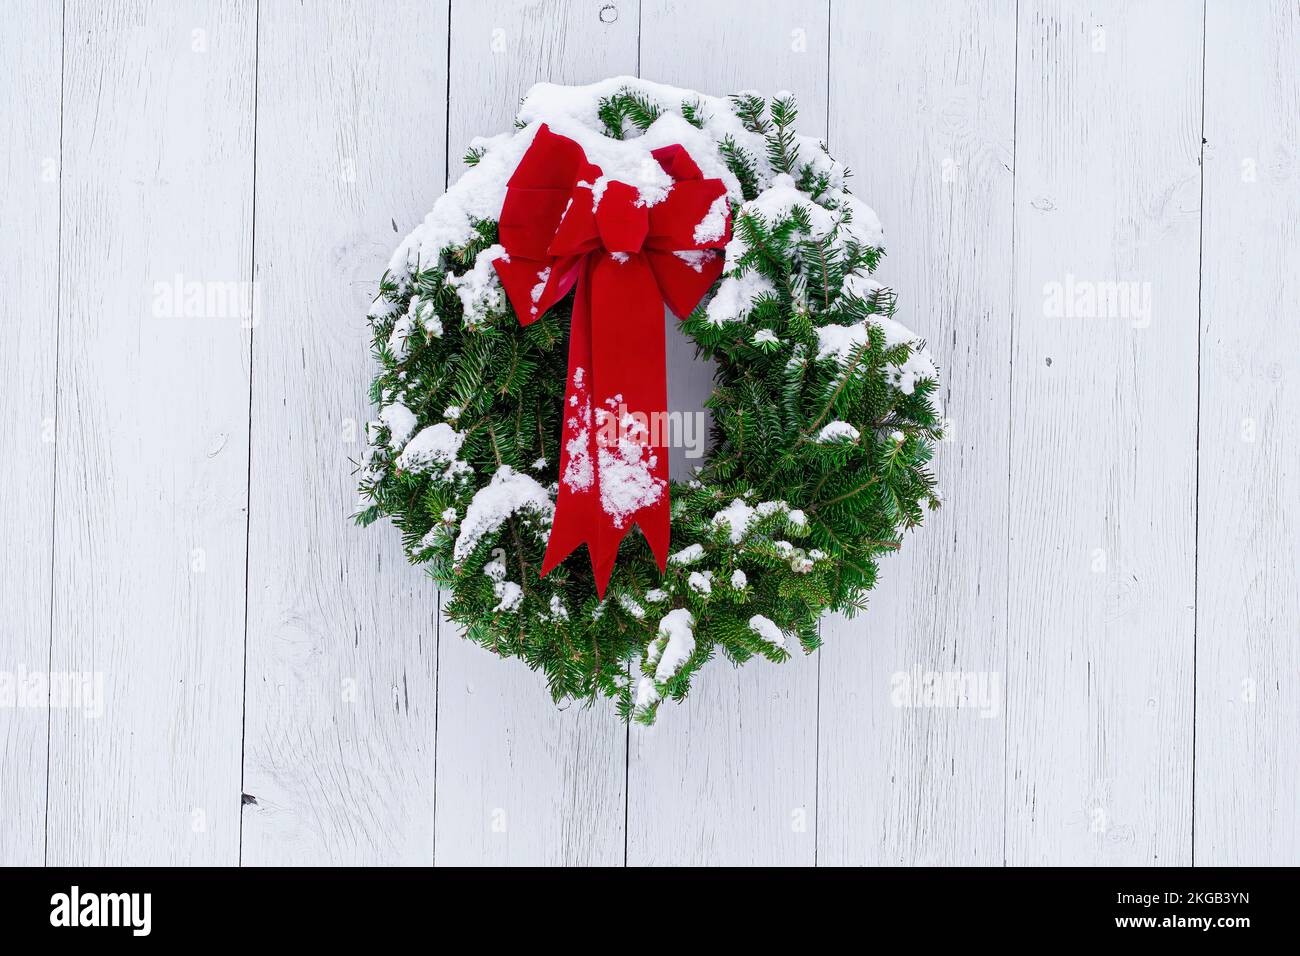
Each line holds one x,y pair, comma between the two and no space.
677,163
565,225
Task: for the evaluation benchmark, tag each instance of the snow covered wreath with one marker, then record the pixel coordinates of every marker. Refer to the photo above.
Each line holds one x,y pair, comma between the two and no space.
521,342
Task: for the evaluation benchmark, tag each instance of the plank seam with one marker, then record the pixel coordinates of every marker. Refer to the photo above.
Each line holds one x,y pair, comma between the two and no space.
1011,372
54,492
627,730
437,617
248,480
817,719
1196,519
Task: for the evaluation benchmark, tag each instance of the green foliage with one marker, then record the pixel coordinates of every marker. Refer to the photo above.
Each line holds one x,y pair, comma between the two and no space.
742,165
782,150
750,107
692,112
626,108
825,511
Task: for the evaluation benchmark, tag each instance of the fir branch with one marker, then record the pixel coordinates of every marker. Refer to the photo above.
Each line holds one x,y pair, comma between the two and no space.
782,146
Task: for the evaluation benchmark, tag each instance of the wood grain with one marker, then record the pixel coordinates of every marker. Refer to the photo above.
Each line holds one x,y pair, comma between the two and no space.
1135,605
931,144
728,776
520,782
1248,597
342,649
30,92
1103,435
152,430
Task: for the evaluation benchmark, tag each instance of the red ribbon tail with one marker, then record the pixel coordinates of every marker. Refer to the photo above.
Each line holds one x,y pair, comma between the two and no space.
655,524
630,401
613,460
578,499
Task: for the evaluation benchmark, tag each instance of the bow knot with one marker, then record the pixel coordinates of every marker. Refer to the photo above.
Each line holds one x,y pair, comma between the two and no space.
565,224
621,222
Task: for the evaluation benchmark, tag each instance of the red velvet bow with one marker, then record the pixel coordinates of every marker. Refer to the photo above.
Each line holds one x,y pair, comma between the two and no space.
563,224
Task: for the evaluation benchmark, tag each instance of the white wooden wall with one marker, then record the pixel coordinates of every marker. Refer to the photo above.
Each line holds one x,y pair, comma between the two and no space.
1119,550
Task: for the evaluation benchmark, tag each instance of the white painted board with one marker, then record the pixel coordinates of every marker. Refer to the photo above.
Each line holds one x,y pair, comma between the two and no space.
152,467
520,782
728,776
1248,595
342,648
922,109
1135,606
1103,434
30,94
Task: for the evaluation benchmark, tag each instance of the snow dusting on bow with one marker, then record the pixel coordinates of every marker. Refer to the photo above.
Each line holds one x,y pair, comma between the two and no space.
627,479
543,277
626,467
579,471
572,111
695,258
714,224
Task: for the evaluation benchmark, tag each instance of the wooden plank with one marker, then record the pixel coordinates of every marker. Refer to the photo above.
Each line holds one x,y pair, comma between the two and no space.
30,91
342,650
153,418
1103,434
759,722
922,108
520,782
1248,601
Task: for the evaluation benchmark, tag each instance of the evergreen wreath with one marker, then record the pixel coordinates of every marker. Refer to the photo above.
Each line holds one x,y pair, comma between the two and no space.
823,412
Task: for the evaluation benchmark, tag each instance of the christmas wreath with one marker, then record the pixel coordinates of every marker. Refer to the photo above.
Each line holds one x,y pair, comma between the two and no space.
520,336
